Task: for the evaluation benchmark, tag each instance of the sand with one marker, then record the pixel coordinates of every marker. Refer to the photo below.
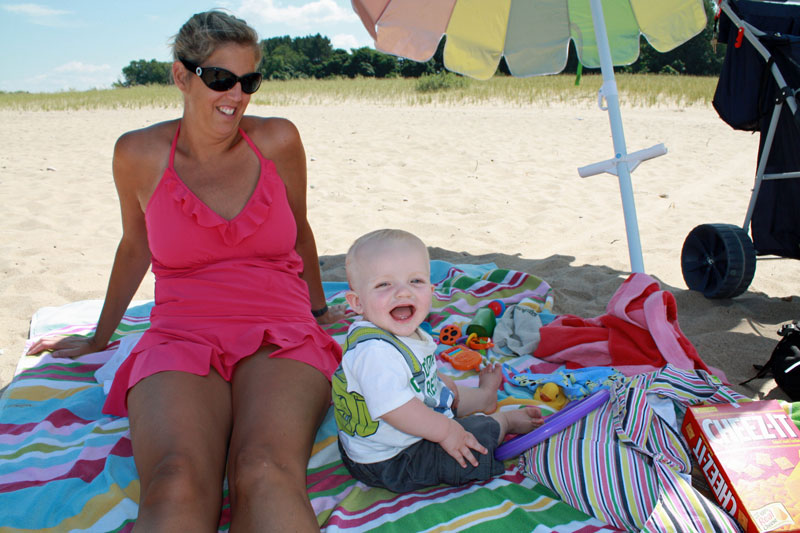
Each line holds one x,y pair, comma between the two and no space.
478,183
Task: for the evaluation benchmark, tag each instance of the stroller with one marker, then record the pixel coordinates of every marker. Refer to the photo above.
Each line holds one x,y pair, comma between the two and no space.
757,91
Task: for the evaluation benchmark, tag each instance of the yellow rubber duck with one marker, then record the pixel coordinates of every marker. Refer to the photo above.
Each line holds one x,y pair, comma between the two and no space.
551,394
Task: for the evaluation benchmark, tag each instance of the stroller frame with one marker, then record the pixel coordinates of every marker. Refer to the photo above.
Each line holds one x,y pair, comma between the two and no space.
751,33
719,259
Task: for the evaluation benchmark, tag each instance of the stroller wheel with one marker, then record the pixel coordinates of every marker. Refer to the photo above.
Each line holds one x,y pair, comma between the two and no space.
718,260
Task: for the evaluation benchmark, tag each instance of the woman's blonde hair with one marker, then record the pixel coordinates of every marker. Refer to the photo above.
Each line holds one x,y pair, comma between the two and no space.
204,32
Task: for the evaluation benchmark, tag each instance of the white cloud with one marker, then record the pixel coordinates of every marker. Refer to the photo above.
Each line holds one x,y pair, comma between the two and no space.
70,76
77,66
345,41
306,15
34,10
40,15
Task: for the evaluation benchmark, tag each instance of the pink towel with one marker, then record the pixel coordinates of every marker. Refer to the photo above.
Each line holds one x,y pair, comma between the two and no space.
639,333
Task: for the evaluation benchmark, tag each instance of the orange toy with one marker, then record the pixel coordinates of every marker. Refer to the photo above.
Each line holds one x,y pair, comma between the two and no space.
450,335
479,343
462,358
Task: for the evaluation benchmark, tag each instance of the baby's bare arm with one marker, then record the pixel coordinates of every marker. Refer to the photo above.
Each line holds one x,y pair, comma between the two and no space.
415,418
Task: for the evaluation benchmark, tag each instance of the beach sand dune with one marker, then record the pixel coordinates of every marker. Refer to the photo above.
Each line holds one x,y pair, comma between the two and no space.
478,183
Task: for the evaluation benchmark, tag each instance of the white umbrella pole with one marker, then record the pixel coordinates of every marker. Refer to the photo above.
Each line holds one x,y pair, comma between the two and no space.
609,92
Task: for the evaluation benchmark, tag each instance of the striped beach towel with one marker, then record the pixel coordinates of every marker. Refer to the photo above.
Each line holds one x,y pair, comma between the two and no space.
64,466
627,464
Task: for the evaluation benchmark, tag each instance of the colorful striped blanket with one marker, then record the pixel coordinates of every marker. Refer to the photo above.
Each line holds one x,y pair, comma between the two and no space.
64,466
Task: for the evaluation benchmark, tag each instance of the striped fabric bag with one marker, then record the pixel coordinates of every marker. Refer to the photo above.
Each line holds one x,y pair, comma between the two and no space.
627,464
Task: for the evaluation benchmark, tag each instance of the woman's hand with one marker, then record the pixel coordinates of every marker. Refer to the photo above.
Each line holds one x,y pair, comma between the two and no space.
64,346
335,313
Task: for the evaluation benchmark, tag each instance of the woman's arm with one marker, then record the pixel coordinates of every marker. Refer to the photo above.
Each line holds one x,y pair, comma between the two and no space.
290,161
131,261
133,253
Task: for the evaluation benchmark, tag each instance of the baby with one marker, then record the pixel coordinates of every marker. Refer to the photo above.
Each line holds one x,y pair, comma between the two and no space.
396,415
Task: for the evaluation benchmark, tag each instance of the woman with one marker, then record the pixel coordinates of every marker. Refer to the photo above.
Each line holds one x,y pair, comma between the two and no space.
233,374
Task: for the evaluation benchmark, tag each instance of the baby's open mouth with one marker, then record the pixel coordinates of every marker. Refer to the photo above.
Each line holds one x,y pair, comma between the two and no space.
402,312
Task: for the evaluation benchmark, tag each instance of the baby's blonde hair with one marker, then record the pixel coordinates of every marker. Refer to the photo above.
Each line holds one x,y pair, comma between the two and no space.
373,238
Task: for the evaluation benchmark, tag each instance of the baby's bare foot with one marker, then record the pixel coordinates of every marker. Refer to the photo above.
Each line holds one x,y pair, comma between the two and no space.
525,420
490,377
489,380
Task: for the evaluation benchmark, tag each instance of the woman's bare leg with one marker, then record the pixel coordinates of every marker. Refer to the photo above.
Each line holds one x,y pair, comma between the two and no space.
180,426
278,405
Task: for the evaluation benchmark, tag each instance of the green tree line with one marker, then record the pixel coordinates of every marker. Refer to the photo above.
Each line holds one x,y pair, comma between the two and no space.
313,56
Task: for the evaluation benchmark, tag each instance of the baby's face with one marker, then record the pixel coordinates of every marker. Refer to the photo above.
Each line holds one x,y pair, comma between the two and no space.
393,289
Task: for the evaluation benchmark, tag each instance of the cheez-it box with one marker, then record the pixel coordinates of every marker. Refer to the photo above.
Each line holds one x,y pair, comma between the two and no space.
749,453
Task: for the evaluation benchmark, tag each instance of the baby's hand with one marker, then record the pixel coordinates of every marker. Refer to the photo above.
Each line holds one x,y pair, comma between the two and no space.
459,442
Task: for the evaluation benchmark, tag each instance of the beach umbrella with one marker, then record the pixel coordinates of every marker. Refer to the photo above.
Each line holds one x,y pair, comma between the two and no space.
534,36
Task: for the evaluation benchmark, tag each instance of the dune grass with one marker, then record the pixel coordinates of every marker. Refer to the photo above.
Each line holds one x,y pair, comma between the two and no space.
639,90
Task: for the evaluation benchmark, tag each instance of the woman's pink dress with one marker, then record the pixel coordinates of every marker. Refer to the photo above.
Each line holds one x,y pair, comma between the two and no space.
224,288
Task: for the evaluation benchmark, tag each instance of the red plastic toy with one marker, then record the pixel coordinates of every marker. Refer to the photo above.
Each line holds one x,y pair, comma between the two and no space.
497,306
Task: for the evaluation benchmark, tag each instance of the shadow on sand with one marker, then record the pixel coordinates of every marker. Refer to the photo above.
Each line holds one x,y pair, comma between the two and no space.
731,335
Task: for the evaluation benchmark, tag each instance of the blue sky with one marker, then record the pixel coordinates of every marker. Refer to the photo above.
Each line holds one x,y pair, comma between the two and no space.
82,44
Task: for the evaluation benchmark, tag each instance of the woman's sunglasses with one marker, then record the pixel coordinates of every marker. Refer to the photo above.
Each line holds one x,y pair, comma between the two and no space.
221,80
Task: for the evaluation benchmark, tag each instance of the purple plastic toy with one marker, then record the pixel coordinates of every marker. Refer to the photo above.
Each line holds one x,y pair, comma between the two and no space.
570,414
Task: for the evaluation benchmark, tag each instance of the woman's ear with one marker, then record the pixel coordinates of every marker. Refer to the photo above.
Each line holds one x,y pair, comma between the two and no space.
179,75
354,301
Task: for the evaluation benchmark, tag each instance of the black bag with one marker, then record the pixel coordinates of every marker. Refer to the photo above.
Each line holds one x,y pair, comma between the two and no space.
784,363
